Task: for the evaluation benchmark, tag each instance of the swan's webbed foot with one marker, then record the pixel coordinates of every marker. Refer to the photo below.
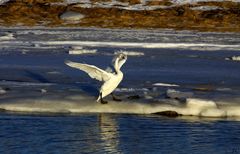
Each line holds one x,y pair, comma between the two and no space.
103,102
115,98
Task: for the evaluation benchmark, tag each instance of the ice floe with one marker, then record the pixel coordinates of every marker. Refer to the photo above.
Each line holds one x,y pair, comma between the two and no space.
131,89
151,45
174,94
82,51
63,38
86,104
194,46
43,91
205,108
234,58
7,36
2,91
129,53
165,85
78,50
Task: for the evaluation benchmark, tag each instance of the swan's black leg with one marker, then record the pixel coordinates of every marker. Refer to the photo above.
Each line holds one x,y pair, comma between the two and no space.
102,101
115,98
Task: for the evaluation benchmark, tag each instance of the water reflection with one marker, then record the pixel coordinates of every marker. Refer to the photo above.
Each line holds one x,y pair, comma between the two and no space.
114,133
109,134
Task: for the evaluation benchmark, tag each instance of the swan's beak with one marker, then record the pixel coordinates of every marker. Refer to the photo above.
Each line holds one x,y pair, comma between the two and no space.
122,57
122,60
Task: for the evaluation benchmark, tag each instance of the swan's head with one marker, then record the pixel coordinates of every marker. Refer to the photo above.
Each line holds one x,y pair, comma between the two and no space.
119,60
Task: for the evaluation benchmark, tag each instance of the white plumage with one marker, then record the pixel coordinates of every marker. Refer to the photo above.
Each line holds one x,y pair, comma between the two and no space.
110,79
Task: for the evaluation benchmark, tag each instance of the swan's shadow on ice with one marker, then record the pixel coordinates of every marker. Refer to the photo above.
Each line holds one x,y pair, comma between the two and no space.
36,76
88,89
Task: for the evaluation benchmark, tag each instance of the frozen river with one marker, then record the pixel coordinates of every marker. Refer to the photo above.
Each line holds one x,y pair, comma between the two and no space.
51,107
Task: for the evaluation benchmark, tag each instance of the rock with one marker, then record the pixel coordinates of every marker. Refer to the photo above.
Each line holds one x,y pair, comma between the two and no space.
71,16
204,88
168,113
133,97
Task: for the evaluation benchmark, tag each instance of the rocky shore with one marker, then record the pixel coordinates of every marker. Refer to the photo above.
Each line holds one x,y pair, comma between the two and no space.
202,15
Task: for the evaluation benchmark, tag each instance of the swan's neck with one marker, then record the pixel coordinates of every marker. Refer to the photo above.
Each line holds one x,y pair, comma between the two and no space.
116,66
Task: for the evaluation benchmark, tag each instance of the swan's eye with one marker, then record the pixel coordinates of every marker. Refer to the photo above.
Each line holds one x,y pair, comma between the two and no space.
123,57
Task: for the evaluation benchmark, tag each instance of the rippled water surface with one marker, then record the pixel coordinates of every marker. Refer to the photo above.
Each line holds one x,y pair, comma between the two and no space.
114,133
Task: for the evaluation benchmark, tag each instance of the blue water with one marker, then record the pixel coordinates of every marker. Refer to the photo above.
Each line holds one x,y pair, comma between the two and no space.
114,133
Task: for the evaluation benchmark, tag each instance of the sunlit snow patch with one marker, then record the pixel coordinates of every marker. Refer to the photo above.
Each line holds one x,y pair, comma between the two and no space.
193,46
174,94
82,103
205,108
165,85
2,91
131,89
78,50
7,36
130,53
234,58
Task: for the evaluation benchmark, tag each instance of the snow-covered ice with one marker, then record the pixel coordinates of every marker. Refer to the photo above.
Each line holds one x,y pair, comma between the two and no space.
7,36
234,58
163,73
129,53
165,85
82,51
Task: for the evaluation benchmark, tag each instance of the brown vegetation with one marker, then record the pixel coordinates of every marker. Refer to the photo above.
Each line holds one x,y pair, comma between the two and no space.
43,13
156,2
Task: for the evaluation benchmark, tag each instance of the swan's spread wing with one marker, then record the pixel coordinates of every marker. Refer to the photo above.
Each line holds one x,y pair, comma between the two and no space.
91,70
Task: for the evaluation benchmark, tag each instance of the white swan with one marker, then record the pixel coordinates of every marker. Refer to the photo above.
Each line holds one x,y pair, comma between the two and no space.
110,79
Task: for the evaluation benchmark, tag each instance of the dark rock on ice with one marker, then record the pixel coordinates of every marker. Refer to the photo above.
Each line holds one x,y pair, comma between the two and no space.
133,97
168,113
